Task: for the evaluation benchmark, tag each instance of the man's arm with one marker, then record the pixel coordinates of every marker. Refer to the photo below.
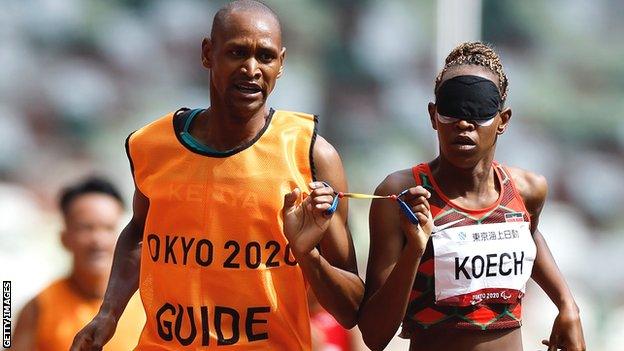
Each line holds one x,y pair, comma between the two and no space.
25,338
567,331
332,271
123,282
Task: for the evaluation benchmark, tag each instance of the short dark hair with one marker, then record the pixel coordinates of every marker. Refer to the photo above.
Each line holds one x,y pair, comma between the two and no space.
238,5
89,185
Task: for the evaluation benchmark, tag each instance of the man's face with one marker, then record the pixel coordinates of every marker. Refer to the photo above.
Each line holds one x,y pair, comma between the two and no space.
92,224
245,58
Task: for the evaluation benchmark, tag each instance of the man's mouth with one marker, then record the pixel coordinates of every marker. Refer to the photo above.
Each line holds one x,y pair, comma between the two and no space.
248,88
97,254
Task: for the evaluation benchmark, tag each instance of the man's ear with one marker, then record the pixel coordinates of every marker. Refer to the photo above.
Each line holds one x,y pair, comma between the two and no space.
505,116
432,115
282,58
66,240
206,53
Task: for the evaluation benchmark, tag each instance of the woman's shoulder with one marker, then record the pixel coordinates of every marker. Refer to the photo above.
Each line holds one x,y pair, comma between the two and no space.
396,182
532,187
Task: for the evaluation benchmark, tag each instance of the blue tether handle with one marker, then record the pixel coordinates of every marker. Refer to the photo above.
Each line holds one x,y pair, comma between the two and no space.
406,209
334,205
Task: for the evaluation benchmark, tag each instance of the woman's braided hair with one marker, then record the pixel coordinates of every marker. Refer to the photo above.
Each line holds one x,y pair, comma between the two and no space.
479,54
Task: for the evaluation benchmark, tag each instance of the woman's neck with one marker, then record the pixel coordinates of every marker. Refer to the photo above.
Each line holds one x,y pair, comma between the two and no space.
473,187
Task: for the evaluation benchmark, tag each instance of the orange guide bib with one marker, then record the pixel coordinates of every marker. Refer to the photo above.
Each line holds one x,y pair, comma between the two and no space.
216,268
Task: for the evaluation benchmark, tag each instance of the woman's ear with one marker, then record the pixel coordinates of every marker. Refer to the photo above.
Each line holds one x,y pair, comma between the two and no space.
505,116
432,115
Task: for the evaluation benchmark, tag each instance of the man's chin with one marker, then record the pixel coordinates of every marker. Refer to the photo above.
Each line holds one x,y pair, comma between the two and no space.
96,267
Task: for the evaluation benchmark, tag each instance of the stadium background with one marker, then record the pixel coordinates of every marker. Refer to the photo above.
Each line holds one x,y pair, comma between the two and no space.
77,76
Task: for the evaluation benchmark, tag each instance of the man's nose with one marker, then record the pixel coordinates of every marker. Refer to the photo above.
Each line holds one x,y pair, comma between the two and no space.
250,68
99,237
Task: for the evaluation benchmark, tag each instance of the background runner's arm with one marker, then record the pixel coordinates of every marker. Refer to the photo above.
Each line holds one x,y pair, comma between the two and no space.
25,338
332,272
392,267
123,282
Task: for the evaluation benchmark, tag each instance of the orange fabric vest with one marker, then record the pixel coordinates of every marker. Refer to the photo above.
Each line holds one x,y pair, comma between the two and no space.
62,313
216,269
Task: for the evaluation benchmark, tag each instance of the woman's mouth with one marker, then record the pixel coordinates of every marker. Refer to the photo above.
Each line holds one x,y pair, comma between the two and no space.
464,142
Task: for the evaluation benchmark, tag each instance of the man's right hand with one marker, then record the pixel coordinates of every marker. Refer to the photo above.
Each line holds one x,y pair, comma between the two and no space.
305,223
95,334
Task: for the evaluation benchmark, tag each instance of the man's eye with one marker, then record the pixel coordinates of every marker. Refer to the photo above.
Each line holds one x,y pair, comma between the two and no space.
237,53
266,57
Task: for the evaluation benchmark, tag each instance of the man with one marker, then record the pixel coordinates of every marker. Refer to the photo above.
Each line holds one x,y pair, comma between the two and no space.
92,211
226,237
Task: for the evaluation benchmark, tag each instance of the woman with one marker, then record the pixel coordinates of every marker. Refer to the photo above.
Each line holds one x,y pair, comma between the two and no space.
460,288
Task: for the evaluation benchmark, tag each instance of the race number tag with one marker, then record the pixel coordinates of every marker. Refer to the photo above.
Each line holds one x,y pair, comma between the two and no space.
484,263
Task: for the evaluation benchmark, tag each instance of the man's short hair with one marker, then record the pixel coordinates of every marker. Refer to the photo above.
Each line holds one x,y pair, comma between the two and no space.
91,185
237,5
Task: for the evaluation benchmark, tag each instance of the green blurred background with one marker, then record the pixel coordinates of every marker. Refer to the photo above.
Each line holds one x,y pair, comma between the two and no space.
77,76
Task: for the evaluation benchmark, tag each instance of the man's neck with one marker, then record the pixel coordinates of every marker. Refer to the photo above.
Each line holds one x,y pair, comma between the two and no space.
222,130
88,286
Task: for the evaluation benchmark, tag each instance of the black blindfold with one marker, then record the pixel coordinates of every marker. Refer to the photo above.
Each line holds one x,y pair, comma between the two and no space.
468,97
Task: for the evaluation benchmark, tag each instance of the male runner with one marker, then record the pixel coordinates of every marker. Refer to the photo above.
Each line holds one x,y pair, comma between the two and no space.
92,211
228,245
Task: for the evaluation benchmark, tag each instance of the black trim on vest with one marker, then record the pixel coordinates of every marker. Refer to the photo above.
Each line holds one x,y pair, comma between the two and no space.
312,168
312,141
128,154
179,119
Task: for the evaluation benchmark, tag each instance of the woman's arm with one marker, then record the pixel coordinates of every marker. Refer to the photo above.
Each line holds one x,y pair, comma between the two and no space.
567,331
396,247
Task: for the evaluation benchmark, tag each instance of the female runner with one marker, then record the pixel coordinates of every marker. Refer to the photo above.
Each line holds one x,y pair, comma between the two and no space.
456,280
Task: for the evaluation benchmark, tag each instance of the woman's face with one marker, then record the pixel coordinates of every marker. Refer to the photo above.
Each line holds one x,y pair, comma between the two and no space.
464,142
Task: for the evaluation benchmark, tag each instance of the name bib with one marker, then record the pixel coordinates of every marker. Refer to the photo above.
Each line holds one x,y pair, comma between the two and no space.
483,263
